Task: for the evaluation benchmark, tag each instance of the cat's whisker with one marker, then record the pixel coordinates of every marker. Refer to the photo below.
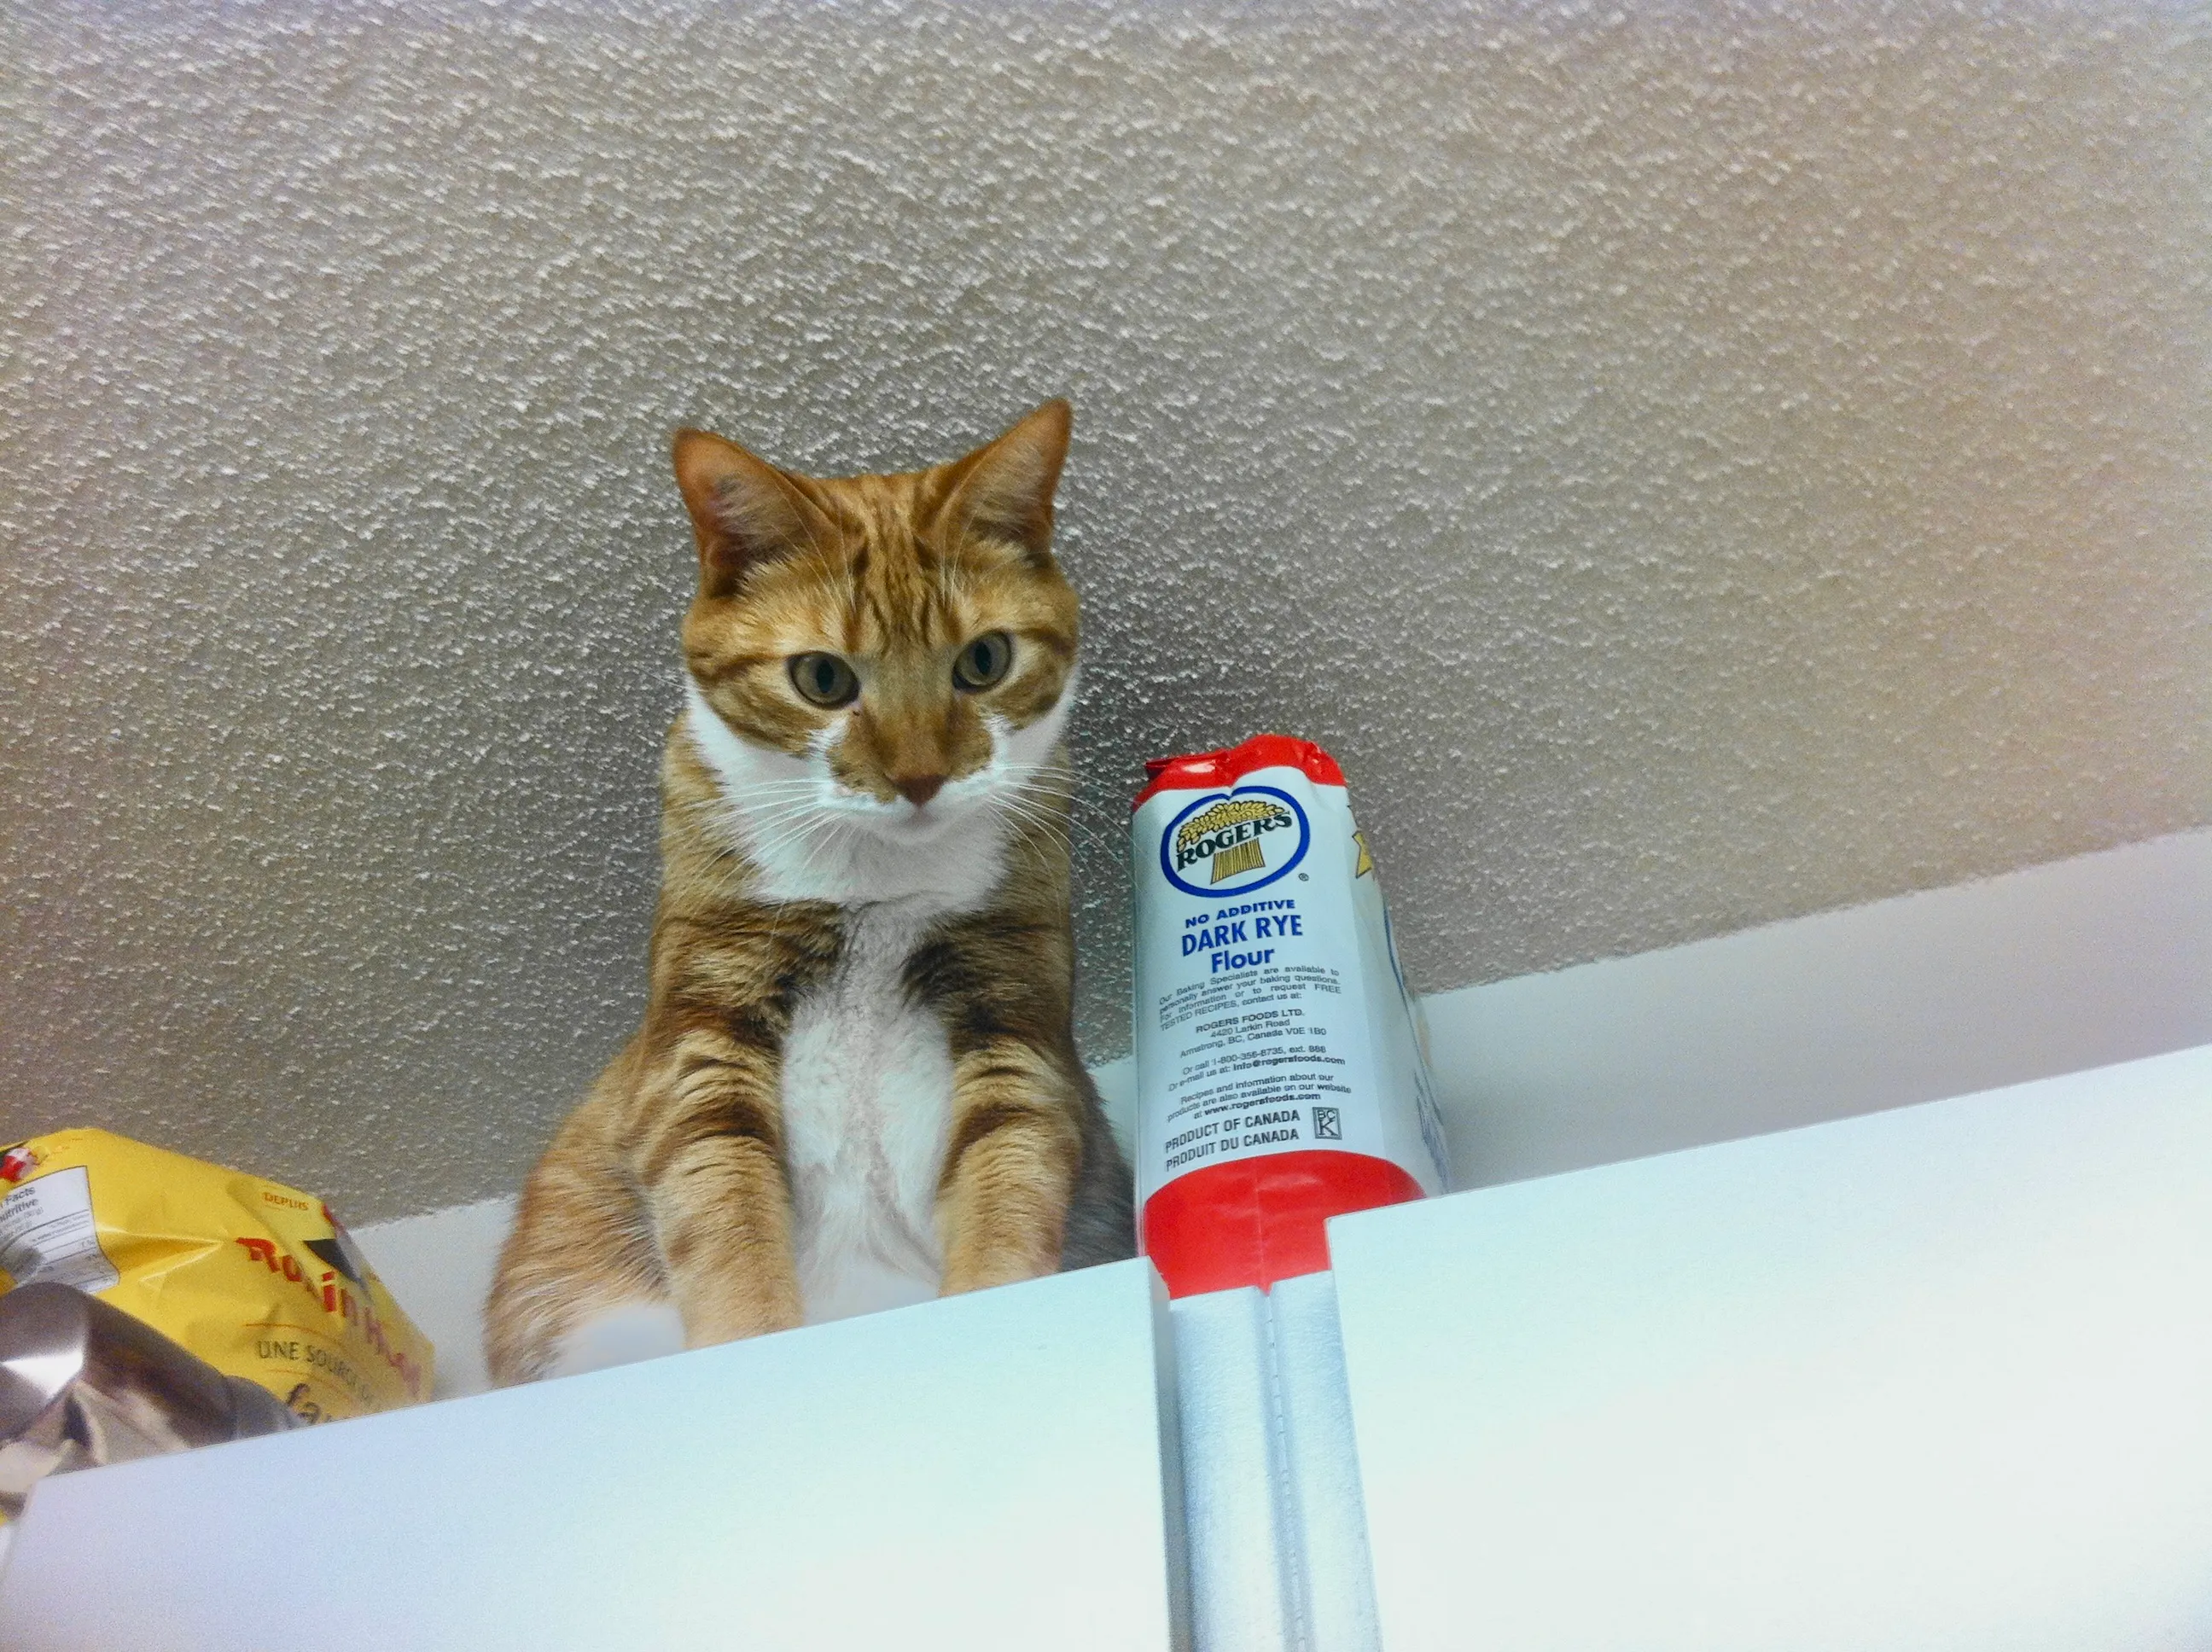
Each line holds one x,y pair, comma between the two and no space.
748,837
1026,816
794,830
1035,801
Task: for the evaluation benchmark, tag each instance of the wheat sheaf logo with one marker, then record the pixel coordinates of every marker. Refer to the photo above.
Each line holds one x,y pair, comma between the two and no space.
1230,833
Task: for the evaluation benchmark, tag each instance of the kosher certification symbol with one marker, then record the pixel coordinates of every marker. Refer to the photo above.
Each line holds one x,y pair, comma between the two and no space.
1326,1127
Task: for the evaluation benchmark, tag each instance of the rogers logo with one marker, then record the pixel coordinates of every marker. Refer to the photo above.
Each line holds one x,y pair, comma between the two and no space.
1235,840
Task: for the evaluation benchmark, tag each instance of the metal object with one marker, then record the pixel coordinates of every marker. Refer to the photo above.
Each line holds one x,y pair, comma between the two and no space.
83,1383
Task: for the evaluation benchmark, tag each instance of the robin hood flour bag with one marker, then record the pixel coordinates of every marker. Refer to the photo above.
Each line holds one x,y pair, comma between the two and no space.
1281,1079
256,1278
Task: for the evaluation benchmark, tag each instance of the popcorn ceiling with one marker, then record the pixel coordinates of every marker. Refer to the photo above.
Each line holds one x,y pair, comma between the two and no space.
1695,466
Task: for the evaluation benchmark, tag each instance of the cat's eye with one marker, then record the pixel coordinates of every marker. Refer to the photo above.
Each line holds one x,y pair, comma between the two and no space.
984,662
824,680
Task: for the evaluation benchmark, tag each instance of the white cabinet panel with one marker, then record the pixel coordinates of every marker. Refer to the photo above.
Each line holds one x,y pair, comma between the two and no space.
982,1473
1933,1377
1936,1377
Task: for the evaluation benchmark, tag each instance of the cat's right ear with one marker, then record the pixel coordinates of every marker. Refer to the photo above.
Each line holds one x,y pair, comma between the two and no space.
743,510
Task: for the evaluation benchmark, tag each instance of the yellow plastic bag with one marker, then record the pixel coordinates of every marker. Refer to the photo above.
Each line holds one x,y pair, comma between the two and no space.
258,1279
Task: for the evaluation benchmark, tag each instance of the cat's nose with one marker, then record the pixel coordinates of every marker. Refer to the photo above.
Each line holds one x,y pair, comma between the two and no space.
919,789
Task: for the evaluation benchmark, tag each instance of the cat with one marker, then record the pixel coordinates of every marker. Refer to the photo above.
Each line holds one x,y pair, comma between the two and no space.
856,1083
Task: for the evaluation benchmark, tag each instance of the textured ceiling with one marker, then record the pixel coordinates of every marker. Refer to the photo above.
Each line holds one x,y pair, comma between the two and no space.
1694,465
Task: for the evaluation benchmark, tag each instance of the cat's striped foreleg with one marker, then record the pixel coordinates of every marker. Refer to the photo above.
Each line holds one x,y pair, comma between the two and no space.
712,1172
1009,1166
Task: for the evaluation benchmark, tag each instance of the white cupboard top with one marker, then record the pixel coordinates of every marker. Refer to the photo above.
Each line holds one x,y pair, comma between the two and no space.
984,1474
1938,1377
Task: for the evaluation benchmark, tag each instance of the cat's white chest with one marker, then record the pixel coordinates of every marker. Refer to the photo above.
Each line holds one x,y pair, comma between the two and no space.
867,1102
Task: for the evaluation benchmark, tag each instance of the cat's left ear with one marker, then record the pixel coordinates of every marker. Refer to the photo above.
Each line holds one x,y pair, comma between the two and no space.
1004,489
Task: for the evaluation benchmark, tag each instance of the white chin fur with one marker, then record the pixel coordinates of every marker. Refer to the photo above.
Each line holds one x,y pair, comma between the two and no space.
813,840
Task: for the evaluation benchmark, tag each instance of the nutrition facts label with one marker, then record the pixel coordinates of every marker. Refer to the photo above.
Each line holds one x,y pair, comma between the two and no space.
46,1232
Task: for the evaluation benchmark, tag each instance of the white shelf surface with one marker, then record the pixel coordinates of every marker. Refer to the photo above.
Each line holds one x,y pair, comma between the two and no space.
990,1473
1934,1377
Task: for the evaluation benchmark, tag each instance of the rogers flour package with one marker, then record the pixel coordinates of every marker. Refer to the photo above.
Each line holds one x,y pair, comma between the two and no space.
1281,1079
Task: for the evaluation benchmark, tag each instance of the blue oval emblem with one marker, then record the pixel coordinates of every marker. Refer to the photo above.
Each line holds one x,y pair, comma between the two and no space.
1233,841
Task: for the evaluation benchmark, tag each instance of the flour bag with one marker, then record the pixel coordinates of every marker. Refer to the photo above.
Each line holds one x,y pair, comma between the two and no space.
1281,1073
256,1278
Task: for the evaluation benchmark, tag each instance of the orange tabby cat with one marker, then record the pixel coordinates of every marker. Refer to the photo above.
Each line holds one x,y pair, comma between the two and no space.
856,1083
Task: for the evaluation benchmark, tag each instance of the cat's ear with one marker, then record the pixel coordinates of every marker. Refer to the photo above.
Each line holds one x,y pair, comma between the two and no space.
743,510
1004,489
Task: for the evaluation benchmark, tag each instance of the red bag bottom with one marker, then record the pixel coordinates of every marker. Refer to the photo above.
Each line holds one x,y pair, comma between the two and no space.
1253,1221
